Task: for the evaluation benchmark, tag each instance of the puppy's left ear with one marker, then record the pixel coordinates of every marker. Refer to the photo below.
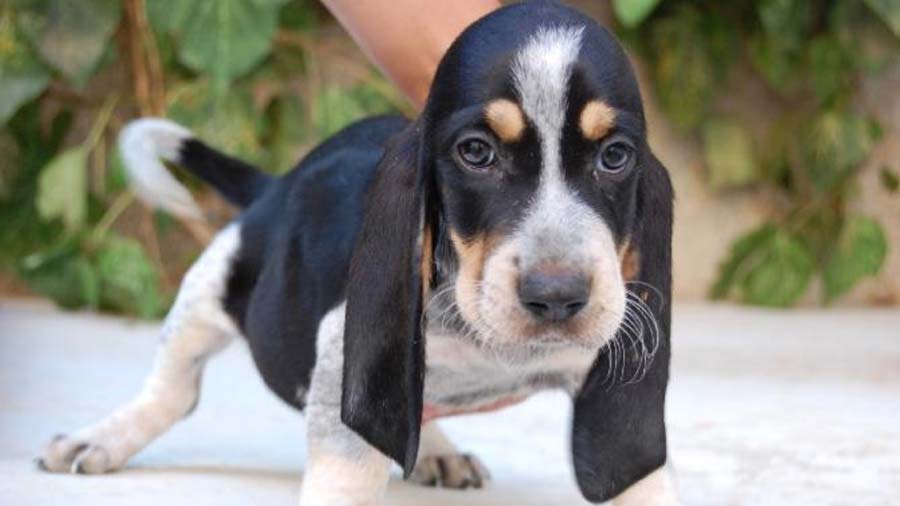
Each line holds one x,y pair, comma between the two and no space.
619,434
384,349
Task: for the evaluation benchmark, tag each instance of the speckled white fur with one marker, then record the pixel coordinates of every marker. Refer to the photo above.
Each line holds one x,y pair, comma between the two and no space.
195,328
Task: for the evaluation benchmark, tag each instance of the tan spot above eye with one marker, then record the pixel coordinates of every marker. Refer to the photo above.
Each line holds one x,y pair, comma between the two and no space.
597,118
506,119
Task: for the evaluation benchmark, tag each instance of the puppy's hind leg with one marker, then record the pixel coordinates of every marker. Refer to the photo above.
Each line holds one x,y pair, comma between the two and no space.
195,328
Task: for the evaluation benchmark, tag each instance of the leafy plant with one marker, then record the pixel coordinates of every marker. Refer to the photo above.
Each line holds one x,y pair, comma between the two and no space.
248,76
810,57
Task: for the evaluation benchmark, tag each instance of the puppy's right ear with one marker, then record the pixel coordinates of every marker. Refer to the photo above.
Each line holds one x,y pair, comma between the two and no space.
384,349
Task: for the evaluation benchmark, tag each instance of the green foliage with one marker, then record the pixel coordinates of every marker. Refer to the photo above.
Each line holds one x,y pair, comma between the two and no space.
62,189
71,35
729,153
780,270
220,38
860,250
248,76
889,180
632,12
112,274
22,77
127,277
889,11
810,56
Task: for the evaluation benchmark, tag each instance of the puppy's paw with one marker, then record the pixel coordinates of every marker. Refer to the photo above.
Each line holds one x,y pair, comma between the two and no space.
457,470
64,454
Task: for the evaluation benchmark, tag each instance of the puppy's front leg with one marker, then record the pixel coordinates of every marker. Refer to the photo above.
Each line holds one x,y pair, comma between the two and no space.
342,468
655,489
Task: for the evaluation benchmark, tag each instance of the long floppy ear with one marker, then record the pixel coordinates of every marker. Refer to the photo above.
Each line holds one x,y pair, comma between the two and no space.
619,433
384,349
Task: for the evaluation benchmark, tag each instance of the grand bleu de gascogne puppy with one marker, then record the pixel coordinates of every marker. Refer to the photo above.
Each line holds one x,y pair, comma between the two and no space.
513,238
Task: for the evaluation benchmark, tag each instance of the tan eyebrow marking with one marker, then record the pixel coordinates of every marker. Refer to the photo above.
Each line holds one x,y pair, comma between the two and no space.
506,119
596,120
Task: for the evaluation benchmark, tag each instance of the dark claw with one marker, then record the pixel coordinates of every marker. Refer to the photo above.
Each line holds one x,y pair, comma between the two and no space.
39,463
442,471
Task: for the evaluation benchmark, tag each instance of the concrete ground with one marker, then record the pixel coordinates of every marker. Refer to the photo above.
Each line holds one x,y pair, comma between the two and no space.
765,408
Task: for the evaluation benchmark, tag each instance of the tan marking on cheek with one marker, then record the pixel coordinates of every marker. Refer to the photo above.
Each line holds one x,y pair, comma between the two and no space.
427,262
471,255
596,120
630,261
505,119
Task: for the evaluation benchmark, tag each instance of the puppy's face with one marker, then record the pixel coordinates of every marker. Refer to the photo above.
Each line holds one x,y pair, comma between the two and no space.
538,145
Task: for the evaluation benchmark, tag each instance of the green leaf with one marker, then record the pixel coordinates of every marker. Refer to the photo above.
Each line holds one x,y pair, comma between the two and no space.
888,11
300,15
230,123
860,251
778,50
788,21
769,266
831,68
889,179
22,77
686,70
287,128
730,270
774,61
835,144
63,274
779,273
129,282
336,107
631,12
62,189
728,150
221,38
73,34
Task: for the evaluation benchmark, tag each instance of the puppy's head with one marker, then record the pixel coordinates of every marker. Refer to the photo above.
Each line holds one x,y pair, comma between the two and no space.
527,191
538,144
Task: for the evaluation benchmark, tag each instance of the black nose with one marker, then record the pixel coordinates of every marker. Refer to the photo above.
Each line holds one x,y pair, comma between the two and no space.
554,296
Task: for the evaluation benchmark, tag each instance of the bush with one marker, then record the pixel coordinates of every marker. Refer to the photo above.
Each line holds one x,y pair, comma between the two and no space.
262,79
810,56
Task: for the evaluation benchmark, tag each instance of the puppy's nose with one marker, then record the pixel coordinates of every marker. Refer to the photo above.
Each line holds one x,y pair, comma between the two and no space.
554,296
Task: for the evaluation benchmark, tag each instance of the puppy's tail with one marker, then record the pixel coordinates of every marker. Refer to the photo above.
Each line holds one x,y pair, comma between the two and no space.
147,142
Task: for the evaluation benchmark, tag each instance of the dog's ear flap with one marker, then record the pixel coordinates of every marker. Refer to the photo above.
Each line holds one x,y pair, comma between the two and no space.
618,433
384,349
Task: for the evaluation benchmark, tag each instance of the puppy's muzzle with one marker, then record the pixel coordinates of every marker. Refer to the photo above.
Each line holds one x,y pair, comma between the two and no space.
554,295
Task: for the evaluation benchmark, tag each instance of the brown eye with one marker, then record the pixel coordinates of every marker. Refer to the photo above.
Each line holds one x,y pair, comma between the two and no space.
477,154
615,157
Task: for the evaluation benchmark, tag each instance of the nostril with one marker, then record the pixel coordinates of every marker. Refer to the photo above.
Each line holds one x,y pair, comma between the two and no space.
574,307
537,307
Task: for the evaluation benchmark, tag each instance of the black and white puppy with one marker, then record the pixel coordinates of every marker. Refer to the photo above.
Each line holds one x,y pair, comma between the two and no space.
514,238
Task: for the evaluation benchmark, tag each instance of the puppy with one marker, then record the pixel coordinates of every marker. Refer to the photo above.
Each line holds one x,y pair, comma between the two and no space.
513,238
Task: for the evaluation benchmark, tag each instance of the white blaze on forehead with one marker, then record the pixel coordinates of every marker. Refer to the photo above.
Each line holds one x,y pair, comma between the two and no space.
541,70
540,74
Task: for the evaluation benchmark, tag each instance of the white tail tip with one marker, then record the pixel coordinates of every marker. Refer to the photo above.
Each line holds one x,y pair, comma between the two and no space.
143,144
